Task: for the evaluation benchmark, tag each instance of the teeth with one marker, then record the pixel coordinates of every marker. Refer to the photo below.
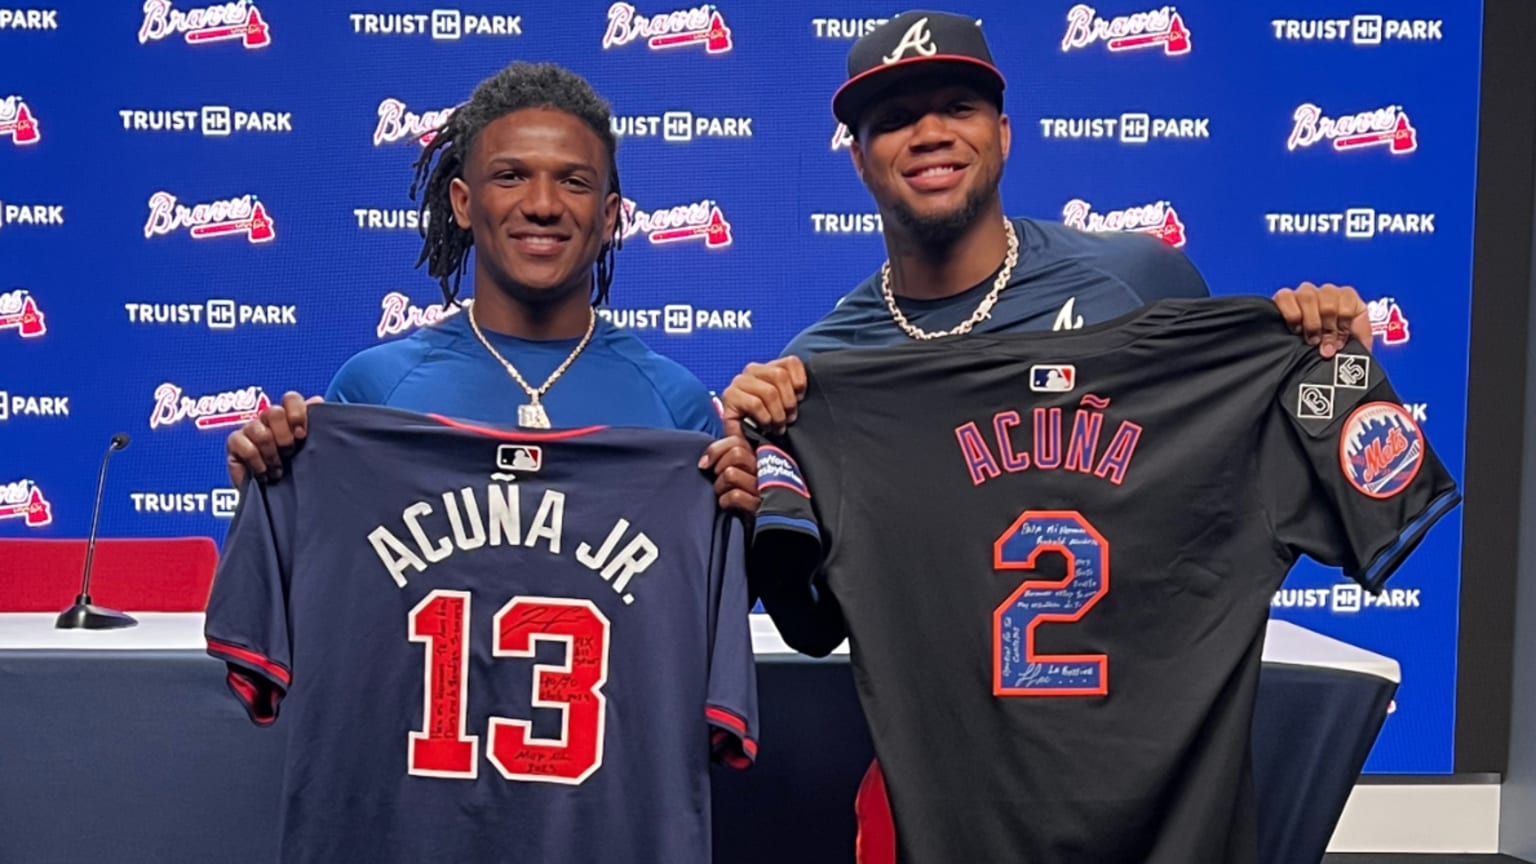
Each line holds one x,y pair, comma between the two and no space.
936,170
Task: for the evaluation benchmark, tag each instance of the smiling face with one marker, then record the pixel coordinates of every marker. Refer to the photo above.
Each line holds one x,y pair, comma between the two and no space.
534,193
932,157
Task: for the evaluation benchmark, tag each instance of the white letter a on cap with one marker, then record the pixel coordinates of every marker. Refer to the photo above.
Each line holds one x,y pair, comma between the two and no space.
917,38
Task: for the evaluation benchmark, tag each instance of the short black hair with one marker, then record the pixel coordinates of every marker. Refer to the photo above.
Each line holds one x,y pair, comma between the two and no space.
445,247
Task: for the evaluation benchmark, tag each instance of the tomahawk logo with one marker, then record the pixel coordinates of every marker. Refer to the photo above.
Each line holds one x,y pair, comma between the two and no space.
23,500
1159,219
230,408
401,315
1387,127
1162,28
222,23
398,124
701,25
18,310
677,224
243,215
17,122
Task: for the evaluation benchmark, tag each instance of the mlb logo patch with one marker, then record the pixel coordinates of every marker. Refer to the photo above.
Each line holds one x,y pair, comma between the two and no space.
777,468
515,458
1053,378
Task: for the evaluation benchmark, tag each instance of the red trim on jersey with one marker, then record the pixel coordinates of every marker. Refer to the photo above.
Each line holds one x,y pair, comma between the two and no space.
235,652
242,686
875,842
517,436
737,726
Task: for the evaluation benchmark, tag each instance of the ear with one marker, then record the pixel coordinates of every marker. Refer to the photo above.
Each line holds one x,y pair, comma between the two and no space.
1006,133
611,207
458,193
857,153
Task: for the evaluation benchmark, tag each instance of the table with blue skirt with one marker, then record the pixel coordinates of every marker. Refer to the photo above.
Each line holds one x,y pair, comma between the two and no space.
126,746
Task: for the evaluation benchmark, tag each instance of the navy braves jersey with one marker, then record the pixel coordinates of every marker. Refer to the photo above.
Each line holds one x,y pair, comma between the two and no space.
1054,554
490,645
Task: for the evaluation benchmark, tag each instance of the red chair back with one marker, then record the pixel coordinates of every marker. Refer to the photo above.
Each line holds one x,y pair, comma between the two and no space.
131,575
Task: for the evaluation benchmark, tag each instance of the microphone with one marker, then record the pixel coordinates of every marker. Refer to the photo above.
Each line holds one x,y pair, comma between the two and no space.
84,614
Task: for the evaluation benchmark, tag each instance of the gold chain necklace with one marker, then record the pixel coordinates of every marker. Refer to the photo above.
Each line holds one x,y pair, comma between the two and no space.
533,415
983,311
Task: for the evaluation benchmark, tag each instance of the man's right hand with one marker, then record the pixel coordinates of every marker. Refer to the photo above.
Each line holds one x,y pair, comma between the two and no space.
768,393
258,446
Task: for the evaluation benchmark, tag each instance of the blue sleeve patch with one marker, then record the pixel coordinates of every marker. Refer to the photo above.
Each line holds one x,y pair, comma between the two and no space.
777,468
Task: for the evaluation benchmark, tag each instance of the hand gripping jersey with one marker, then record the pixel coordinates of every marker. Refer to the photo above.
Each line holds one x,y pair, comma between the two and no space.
490,646
1055,555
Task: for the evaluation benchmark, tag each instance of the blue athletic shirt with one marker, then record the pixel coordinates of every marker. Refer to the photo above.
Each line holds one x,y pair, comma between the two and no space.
443,369
1065,278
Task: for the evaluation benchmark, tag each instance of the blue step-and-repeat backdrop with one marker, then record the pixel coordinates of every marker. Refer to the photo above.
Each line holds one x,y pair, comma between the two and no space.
202,207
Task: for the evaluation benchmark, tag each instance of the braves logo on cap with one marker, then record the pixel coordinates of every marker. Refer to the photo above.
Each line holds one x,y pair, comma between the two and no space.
902,49
1381,449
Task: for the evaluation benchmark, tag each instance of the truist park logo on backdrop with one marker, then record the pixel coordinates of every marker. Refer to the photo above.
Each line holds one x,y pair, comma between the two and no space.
214,121
700,26
19,311
17,122
22,499
401,315
1158,30
13,214
28,405
1355,223
442,24
1128,128
213,411
398,123
226,22
1359,29
1386,129
700,222
1159,219
220,501
679,126
29,19
847,29
244,216
220,314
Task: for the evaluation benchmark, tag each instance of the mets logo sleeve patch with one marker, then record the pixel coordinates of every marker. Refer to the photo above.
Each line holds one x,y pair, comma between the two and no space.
1064,544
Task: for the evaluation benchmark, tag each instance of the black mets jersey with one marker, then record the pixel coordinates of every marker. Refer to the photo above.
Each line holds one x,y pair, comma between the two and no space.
490,645
1055,553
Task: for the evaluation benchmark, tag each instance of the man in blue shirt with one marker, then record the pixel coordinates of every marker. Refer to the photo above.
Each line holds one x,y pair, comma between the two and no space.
924,103
525,174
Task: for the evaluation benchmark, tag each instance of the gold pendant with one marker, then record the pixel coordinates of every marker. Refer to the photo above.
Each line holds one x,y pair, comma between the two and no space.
532,416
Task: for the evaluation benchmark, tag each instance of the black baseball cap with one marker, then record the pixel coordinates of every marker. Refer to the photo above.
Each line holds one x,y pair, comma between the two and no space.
911,46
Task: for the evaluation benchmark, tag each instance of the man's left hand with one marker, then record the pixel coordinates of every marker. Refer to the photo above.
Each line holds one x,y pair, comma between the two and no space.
1326,316
735,468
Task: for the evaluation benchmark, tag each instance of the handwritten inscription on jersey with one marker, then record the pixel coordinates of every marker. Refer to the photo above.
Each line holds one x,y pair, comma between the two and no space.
988,456
458,525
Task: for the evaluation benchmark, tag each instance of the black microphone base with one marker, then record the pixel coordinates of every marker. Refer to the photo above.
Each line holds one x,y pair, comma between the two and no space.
86,616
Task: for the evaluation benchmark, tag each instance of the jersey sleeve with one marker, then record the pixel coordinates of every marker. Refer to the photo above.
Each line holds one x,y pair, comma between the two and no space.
247,619
788,549
731,711
1348,475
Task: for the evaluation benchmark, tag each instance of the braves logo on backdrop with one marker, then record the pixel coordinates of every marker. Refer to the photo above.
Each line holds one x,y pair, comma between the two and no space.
1160,220
244,215
701,25
1387,127
19,312
219,23
23,500
701,220
1380,449
1161,28
230,408
398,124
401,315
17,122
1388,321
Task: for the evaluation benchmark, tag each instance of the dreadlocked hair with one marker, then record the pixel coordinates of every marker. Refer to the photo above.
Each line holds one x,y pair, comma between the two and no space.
445,247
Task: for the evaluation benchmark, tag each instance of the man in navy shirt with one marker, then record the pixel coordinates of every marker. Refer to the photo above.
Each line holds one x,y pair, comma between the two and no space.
924,103
525,175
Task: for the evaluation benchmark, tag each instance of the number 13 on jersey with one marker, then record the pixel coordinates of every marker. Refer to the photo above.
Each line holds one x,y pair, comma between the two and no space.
1018,669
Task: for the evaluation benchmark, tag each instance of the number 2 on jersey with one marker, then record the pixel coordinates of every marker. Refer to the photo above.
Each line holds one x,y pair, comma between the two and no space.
574,687
1018,669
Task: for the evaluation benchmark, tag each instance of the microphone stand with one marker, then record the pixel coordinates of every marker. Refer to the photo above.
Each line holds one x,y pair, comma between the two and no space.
84,614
